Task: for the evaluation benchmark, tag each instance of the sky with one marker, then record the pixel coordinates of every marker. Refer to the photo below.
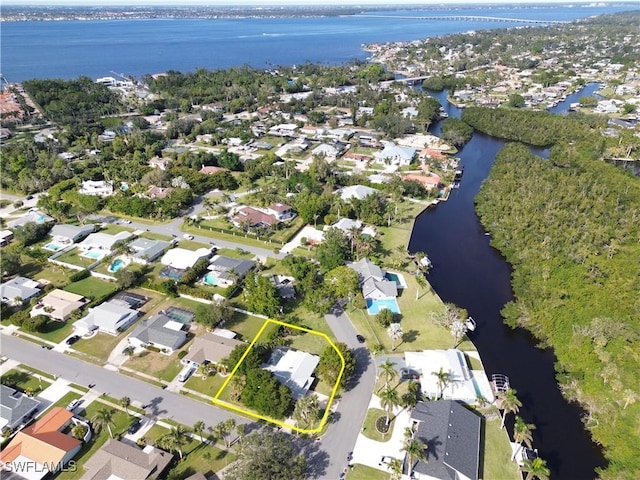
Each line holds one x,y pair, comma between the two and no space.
282,2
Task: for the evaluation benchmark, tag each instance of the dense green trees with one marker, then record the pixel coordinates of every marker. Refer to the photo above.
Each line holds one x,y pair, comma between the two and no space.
264,394
261,295
331,364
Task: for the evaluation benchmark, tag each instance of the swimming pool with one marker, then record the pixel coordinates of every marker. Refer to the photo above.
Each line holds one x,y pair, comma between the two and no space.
116,265
210,279
54,247
94,254
396,277
375,306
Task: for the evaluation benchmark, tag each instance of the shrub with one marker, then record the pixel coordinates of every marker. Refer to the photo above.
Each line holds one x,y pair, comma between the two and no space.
79,275
182,354
385,317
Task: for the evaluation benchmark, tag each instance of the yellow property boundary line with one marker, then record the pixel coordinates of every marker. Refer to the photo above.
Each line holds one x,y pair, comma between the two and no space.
250,413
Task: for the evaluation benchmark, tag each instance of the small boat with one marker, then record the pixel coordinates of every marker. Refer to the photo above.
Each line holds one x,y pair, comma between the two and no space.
425,262
458,175
471,324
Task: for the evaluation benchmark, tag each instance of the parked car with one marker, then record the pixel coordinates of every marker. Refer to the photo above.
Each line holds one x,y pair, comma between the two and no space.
186,236
72,340
73,404
360,338
29,197
125,221
135,426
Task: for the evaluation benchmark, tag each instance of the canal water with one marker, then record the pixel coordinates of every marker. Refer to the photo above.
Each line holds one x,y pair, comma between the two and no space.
468,272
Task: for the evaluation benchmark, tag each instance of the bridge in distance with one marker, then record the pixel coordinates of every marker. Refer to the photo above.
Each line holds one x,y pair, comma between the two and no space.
477,18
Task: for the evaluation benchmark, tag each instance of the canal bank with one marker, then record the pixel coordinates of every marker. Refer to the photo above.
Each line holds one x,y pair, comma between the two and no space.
468,272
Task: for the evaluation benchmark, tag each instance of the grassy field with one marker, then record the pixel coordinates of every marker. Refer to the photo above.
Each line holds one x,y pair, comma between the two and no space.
208,386
198,456
66,399
100,345
57,275
369,429
495,453
55,331
25,382
239,239
246,326
92,287
362,472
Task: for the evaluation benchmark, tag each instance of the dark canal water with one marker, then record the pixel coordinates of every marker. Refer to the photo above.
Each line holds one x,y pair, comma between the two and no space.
468,272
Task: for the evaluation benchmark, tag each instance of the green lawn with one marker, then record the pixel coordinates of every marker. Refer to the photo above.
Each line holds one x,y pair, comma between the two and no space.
25,382
246,326
208,386
198,456
369,429
362,472
66,399
92,287
73,257
55,331
239,239
57,275
164,367
495,453
32,370
115,229
100,345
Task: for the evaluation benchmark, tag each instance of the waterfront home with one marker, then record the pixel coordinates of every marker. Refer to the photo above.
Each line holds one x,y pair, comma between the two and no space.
110,317
99,188
116,460
358,192
451,434
147,250
429,182
394,155
16,408
43,445
293,368
182,259
161,332
58,305
226,271
67,234
373,282
19,290
212,347
464,384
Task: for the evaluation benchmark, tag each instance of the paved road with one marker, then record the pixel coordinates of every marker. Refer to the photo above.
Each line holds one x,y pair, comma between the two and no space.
163,404
339,441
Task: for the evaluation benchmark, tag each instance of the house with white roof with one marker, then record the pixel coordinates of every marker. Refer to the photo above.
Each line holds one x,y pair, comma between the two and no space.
294,369
284,130
160,331
99,188
394,155
102,242
18,290
465,385
326,151
110,317
32,216
147,250
58,305
356,191
182,259
226,271
67,234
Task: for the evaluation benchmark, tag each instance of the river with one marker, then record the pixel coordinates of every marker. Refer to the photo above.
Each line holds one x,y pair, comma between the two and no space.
468,272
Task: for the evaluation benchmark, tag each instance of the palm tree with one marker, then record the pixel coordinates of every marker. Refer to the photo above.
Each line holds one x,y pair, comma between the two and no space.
444,379
306,409
421,282
125,402
219,431
536,468
175,439
229,425
395,466
522,434
509,403
103,418
414,449
198,429
241,430
395,333
389,399
389,371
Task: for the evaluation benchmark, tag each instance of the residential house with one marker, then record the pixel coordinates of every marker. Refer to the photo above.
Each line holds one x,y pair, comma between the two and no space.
182,259
464,384
18,291
451,434
32,216
161,332
163,163
293,368
348,226
284,286
67,234
58,305
5,237
110,317
211,348
118,460
43,444
395,155
99,188
373,281
250,217
328,152
409,112
154,192
102,242
210,169
147,250
358,192
281,211
429,182
225,271
284,130
15,407
312,132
